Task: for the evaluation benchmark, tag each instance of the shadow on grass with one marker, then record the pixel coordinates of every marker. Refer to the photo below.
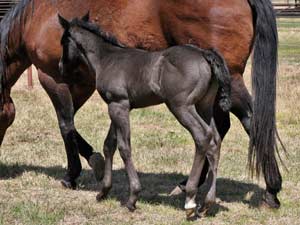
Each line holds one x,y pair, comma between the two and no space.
156,186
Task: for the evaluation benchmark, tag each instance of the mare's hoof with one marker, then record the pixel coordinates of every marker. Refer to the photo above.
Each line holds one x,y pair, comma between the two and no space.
176,191
97,163
270,201
191,214
69,184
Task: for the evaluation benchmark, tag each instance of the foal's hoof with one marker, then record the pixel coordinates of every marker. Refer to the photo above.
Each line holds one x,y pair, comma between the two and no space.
101,196
97,163
191,214
131,207
69,184
270,201
203,210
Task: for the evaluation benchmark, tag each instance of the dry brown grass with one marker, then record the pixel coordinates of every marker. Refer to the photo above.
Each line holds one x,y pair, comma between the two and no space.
33,160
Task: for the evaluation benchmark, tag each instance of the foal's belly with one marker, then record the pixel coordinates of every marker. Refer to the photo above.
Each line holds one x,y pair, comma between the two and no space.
145,101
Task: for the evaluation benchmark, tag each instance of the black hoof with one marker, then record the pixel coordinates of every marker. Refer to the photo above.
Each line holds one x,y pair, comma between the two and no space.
271,201
202,211
97,163
100,197
69,184
131,207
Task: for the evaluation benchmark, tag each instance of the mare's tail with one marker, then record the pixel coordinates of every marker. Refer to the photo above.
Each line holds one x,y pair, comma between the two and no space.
221,72
263,146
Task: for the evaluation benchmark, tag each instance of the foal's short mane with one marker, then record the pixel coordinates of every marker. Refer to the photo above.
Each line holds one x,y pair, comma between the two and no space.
95,29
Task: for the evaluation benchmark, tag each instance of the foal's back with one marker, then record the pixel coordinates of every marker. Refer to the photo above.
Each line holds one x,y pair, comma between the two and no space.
149,78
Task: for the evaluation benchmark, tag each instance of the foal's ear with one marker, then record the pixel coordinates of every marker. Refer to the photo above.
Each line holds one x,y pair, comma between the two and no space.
63,22
86,17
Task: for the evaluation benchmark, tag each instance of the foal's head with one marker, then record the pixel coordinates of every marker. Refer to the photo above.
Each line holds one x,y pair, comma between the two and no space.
77,42
73,59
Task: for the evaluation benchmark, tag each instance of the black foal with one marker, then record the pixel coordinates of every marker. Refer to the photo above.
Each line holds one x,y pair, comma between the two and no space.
185,78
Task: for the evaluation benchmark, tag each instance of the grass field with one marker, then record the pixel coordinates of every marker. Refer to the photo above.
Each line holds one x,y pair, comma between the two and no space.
32,161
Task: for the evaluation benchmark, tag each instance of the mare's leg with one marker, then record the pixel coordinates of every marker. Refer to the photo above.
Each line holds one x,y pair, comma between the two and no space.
62,97
241,101
242,108
202,135
7,116
109,148
119,114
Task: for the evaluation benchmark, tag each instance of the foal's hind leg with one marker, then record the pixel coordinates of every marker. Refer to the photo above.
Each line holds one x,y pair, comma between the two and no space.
109,148
222,121
62,99
213,156
202,135
119,114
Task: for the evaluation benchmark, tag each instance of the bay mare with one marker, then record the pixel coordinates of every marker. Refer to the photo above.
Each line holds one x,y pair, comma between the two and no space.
184,77
30,34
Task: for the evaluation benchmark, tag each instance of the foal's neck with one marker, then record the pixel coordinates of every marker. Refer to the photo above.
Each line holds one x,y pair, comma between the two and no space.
97,48
96,44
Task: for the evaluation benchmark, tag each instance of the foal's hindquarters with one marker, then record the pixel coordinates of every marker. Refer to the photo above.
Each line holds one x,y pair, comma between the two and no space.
187,83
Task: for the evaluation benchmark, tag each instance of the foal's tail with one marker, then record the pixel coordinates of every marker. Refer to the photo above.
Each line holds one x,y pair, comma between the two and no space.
221,73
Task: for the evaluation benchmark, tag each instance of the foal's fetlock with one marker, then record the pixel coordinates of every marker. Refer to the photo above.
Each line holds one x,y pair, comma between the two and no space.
190,204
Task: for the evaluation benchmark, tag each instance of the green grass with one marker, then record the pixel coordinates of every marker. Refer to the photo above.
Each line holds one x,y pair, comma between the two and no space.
289,40
33,161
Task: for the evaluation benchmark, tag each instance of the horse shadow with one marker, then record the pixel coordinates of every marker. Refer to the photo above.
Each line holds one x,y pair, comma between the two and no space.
156,186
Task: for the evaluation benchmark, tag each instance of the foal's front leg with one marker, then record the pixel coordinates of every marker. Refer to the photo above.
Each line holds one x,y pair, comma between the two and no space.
119,114
109,148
